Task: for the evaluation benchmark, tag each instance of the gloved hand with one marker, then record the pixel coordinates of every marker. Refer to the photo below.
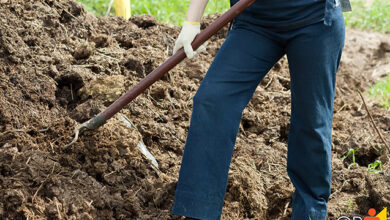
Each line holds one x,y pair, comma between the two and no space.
186,36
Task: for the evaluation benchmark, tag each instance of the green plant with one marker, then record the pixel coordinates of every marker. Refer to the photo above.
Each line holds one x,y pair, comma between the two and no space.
350,207
350,152
375,167
381,92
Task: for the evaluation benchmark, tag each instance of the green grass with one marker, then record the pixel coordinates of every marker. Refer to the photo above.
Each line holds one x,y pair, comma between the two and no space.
169,11
98,7
173,11
374,16
381,92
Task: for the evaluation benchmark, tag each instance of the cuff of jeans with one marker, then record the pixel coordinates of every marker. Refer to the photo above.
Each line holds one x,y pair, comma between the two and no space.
187,204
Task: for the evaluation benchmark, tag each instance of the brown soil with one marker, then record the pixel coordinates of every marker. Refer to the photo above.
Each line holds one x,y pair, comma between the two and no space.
60,65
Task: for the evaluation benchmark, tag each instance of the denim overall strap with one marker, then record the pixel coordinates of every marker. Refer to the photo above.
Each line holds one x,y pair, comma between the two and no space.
345,5
330,7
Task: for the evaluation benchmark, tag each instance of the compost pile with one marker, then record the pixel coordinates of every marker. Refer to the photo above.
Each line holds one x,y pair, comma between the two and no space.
60,66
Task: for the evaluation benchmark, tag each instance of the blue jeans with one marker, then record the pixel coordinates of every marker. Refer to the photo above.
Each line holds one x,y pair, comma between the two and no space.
313,53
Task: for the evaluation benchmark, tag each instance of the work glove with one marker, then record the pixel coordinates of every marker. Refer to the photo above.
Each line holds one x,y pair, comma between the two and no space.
186,36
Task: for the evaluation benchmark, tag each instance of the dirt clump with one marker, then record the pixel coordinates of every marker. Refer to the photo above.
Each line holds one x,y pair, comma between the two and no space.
60,66
84,50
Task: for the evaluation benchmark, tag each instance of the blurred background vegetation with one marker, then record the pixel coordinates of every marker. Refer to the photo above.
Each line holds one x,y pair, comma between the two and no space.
369,14
168,11
366,15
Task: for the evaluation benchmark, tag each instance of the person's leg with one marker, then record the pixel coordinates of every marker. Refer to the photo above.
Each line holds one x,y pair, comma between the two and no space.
313,54
240,64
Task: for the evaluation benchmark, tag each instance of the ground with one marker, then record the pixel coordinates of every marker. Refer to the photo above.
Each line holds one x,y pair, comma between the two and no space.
60,65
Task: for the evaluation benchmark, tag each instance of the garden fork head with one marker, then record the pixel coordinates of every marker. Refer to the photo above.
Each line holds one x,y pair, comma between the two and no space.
91,124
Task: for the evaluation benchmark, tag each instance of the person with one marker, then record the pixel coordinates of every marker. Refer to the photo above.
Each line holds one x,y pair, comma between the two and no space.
311,33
